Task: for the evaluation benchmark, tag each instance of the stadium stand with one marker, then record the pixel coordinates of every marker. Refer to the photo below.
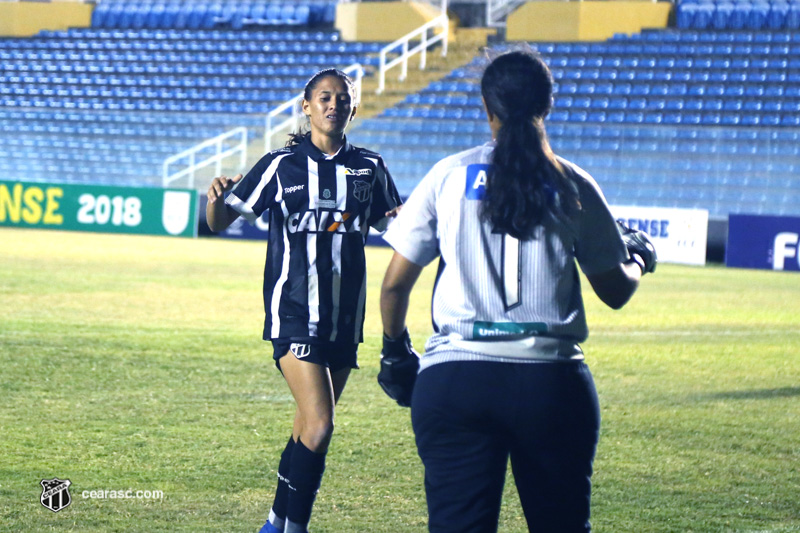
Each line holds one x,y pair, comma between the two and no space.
197,14
108,104
675,118
704,115
738,15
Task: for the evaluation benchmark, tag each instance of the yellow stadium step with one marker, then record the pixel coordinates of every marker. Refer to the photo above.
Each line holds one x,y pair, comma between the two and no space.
467,44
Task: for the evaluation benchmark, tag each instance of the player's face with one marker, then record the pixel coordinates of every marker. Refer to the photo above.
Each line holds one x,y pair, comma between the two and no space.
330,108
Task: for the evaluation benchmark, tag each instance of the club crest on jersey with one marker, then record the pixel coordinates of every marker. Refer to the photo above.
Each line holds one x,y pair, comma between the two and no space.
476,181
55,493
361,190
300,350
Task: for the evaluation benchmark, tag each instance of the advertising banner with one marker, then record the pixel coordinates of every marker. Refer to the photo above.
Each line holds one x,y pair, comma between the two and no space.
679,235
765,242
149,211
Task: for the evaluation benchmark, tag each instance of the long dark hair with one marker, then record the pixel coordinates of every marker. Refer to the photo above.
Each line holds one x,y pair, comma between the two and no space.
296,137
526,182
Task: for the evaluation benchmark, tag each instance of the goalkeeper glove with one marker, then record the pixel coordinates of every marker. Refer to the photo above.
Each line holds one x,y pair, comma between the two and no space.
399,367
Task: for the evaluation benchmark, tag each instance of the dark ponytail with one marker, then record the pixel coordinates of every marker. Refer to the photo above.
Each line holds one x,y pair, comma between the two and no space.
297,137
526,181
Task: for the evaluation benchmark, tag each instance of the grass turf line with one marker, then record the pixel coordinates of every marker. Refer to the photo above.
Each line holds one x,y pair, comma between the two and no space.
134,362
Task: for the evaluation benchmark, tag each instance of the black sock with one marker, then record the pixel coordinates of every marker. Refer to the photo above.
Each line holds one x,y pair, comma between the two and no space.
282,492
307,468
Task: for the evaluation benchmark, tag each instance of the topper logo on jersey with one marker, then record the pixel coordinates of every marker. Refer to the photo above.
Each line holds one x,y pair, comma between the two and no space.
289,190
476,181
323,221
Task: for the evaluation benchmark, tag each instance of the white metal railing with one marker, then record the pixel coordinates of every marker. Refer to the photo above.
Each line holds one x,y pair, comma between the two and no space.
221,152
425,42
497,10
271,127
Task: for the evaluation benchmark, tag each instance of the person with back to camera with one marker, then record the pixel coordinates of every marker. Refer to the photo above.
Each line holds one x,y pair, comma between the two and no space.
503,374
323,195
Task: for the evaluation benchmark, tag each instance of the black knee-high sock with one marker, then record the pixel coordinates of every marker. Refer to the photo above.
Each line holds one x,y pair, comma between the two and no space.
282,491
307,468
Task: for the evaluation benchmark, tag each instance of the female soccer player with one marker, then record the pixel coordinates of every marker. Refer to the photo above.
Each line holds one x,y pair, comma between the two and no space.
503,374
322,195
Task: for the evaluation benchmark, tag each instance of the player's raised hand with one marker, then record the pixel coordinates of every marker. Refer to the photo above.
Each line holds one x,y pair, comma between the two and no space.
640,247
221,185
393,212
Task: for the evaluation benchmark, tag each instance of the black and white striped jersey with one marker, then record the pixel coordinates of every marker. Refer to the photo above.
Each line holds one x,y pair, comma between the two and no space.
496,296
320,210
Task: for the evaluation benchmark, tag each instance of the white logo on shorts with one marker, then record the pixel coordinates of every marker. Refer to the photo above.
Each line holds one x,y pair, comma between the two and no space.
300,350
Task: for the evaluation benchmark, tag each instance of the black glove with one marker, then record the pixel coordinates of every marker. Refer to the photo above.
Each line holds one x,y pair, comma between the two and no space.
399,367
640,247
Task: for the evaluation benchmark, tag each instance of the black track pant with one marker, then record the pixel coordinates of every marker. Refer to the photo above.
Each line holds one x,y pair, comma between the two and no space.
469,417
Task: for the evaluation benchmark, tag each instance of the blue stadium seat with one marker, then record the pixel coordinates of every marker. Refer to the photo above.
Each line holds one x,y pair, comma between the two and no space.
721,15
302,15
238,14
154,17
287,14
702,17
273,13
792,19
757,17
127,15
738,17
257,14
139,14
197,14
100,14
182,16
777,15
214,15
112,14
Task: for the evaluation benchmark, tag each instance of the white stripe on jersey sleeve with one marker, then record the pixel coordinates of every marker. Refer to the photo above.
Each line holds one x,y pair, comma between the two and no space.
284,275
245,207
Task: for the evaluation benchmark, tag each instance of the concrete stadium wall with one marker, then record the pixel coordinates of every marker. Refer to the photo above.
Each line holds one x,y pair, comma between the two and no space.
584,21
23,19
381,21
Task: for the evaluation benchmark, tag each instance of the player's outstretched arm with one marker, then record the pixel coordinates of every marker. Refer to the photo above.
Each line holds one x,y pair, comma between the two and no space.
616,286
400,277
219,215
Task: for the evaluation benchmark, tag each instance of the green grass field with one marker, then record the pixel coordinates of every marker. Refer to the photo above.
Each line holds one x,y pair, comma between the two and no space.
136,363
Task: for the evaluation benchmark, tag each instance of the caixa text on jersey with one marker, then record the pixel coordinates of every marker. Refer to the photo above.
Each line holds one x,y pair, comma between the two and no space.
323,221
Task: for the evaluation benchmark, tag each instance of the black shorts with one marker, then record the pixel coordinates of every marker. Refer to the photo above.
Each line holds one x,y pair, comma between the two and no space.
334,355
